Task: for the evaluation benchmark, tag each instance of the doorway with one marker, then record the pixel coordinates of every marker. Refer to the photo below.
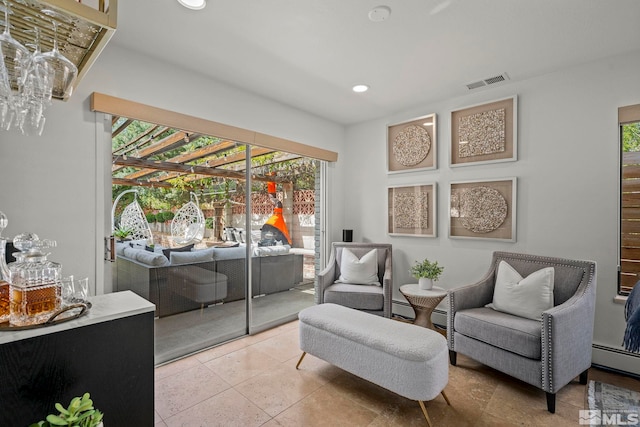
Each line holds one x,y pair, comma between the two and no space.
228,184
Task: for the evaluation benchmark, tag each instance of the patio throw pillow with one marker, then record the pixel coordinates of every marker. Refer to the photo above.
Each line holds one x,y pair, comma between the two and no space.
363,271
167,252
525,297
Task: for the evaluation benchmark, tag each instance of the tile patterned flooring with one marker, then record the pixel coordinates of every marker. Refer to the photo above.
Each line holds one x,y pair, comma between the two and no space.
253,382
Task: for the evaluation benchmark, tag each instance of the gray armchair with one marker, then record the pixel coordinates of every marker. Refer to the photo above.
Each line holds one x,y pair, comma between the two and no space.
546,353
370,298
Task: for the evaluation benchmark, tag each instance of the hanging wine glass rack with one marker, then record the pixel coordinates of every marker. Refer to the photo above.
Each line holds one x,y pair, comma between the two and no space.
82,33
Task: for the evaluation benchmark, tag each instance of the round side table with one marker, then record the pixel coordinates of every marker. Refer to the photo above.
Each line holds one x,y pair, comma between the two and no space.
423,302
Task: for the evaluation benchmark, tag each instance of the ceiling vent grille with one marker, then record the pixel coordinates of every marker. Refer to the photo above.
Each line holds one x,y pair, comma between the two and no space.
488,81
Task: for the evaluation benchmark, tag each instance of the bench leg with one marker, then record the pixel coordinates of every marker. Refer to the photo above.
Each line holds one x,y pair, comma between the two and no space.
301,357
424,411
446,398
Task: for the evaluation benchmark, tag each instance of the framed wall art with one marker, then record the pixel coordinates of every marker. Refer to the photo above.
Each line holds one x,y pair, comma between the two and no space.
412,145
485,133
412,210
483,209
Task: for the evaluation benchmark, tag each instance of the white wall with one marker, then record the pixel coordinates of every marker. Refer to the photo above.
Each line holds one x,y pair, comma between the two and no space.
567,172
48,184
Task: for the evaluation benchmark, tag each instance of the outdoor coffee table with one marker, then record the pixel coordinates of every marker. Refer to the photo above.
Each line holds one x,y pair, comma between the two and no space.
423,302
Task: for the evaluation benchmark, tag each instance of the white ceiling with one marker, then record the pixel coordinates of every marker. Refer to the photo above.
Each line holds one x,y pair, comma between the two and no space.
309,53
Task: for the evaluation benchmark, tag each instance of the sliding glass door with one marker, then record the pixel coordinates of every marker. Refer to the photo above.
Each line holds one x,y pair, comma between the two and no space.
219,235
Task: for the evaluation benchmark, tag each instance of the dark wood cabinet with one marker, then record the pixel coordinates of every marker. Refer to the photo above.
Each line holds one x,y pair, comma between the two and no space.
109,353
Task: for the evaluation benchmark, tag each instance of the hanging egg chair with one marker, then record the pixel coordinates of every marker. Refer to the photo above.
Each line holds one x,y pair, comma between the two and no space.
132,218
187,225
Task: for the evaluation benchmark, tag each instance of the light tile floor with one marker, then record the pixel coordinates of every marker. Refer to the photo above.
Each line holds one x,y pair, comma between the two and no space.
253,382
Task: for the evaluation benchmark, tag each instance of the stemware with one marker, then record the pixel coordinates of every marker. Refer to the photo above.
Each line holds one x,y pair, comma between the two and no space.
64,71
14,55
36,91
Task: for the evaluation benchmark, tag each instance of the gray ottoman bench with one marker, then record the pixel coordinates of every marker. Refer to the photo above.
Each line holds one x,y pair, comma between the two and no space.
406,359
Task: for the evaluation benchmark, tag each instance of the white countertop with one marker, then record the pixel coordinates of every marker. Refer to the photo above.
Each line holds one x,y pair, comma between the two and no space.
116,305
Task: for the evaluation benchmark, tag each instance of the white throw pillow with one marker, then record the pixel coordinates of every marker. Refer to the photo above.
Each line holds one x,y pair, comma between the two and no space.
363,271
525,297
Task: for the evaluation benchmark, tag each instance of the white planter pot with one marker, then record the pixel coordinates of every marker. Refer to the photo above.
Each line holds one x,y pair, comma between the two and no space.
425,284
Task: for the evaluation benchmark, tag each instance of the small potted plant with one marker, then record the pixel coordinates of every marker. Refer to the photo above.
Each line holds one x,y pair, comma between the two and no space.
80,413
122,233
426,272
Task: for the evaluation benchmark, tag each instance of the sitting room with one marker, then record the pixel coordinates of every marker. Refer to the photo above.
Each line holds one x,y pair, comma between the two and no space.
469,257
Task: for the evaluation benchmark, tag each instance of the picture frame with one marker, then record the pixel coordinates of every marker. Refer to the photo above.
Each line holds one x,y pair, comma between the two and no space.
485,133
411,210
483,209
412,145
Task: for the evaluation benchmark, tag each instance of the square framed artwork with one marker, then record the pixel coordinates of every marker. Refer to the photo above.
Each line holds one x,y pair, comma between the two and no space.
483,209
485,133
412,145
412,210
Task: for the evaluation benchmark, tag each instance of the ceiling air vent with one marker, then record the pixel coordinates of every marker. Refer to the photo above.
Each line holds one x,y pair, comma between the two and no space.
489,81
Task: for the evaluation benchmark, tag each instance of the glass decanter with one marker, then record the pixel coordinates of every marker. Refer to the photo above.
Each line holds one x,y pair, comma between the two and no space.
34,289
4,273
4,283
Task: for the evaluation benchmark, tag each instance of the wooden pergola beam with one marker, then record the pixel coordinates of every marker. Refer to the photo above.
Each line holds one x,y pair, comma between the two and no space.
136,183
187,169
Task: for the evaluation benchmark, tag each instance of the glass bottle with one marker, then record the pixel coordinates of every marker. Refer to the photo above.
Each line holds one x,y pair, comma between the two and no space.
34,286
4,283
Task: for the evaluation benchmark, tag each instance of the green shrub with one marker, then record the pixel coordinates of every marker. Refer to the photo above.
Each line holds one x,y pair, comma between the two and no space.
208,223
151,217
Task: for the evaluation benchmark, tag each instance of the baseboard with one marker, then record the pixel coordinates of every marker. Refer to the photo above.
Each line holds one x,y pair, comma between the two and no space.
616,359
403,309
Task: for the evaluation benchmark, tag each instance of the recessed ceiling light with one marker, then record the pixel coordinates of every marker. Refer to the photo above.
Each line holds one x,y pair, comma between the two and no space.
380,13
193,4
360,88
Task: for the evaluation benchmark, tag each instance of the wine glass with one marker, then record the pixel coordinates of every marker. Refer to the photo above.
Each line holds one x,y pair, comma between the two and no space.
14,56
64,71
35,94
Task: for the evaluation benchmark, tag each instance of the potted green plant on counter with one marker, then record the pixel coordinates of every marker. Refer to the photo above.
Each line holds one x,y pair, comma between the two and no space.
426,272
80,413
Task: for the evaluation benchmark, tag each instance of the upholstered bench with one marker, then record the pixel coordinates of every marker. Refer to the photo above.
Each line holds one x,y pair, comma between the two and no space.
198,284
407,359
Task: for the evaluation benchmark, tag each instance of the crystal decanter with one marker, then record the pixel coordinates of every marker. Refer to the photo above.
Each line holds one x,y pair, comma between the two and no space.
4,273
34,290
4,283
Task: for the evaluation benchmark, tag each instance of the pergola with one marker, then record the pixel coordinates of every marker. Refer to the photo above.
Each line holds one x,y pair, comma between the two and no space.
149,155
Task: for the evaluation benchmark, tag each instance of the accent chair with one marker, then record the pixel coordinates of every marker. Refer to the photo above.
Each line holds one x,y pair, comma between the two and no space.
547,352
332,287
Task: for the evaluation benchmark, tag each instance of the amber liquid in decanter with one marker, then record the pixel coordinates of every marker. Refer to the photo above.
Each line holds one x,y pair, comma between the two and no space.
5,308
34,304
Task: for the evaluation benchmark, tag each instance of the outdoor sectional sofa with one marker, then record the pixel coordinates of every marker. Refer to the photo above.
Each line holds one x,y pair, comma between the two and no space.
190,280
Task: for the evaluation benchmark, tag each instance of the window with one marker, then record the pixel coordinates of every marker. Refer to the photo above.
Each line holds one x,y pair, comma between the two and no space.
629,254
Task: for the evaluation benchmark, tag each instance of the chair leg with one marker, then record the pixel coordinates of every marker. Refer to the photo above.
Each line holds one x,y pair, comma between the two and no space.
452,357
551,402
301,357
584,377
424,411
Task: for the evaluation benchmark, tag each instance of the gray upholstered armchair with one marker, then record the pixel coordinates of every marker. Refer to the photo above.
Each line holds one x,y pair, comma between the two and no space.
547,353
371,298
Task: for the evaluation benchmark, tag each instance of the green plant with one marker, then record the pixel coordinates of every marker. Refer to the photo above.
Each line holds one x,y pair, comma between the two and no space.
426,269
80,413
122,232
208,223
151,217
